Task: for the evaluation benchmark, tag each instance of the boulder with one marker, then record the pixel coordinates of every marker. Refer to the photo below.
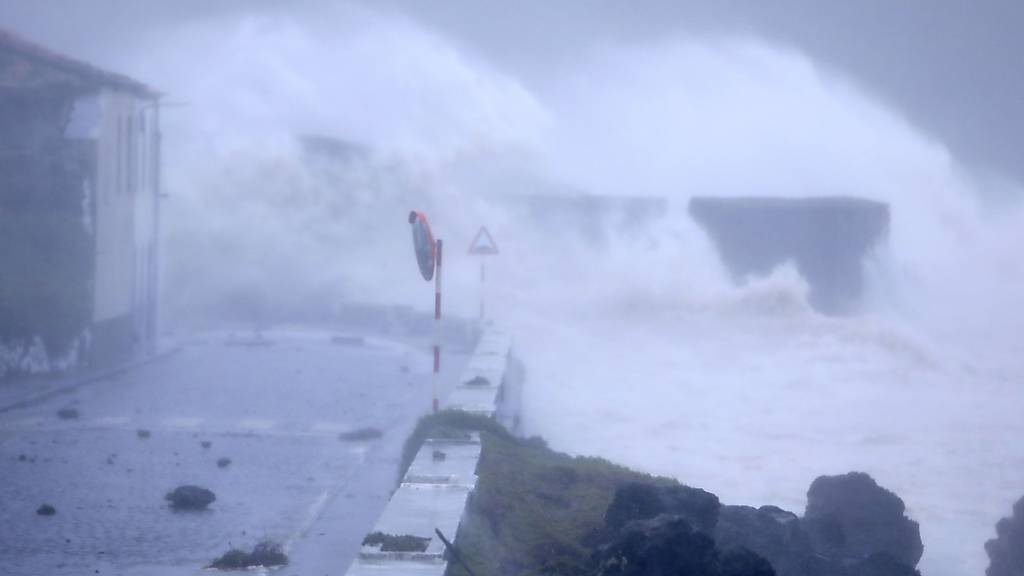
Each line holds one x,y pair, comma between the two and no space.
189,497
851,518
668,545
881,564
774,534
1006,550
636,501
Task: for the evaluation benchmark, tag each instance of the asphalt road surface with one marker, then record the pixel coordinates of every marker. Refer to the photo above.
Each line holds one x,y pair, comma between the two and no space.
276,406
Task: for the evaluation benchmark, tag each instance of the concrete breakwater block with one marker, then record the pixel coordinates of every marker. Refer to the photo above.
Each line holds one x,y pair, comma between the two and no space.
827,238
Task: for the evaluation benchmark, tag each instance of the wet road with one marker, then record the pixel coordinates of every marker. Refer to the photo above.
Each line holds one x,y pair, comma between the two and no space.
274,406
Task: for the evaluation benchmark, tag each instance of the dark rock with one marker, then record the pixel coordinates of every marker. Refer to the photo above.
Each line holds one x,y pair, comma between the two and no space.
743,562
223,462
439,456
190,497
1006,550
396,543
776,535
881,564
665,545
477,381
143,433
206,443
22,458
264,554
46,510
636,501
850,517
67,414
669,546
368,433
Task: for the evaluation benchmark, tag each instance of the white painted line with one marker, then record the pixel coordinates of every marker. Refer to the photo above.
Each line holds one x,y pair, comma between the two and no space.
181,422
113,421
257,424
330,427
26,422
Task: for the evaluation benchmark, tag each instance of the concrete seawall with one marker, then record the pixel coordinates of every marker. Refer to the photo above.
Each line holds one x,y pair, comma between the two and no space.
434,491
827,238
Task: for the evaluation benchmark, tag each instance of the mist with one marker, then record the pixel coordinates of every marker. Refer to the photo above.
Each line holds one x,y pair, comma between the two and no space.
297,137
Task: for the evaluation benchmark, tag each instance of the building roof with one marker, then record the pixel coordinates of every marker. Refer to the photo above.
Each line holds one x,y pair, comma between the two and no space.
70,68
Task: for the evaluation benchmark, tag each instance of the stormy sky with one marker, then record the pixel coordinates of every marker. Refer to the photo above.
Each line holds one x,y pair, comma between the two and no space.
949,67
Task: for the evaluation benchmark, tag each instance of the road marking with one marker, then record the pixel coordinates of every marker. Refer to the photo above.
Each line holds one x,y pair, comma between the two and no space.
113,421
26,422
330,427
257,424
181,422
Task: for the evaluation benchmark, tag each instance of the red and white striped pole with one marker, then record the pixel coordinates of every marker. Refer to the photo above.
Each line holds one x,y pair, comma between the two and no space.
437,322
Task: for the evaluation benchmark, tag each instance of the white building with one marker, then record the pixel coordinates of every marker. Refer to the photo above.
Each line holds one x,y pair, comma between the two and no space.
87,140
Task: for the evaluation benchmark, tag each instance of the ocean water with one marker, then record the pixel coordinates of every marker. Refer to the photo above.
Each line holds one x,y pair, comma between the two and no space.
750,394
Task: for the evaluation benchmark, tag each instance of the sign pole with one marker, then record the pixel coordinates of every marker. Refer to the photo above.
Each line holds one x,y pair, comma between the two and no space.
482,294
437,322
428,259
483,245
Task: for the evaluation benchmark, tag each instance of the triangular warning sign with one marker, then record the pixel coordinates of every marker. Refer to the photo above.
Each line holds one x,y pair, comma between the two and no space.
483,243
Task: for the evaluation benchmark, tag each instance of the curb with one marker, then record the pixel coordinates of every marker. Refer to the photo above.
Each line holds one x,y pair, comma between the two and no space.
434,492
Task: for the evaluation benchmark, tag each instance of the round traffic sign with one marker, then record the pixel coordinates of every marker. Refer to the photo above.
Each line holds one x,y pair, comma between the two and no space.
423,244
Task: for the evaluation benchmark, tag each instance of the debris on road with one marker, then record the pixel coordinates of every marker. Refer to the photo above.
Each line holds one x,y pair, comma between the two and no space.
143,433
478,381
223,462
46,510
439,456
190,497
368,433
396,543
264,554
67,413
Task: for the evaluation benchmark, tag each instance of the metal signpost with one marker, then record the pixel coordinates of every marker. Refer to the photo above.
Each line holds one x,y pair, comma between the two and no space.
483,245
428,257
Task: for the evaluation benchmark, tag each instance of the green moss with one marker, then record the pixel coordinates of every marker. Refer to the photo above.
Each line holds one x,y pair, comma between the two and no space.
536,511
396,543
448,425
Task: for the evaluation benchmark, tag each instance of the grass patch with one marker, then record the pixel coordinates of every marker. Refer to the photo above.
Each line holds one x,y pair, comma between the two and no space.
361,434
396,543
477,381
264,554
446,425
534,511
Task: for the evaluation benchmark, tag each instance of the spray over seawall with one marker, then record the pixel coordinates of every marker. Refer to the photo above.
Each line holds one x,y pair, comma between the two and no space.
303,146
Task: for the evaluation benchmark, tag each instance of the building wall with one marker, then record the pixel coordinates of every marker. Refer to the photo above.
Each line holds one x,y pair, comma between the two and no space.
125,200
